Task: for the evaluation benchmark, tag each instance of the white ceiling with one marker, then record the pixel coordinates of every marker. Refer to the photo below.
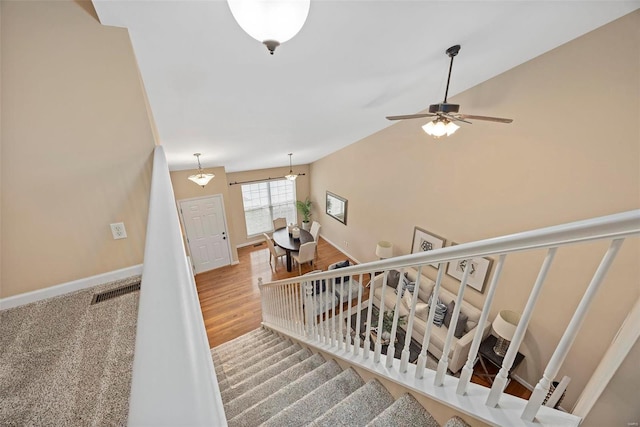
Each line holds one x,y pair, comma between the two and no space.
215,90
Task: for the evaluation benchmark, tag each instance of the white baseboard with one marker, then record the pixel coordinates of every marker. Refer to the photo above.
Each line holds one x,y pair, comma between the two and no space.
255,242
65,288
340,249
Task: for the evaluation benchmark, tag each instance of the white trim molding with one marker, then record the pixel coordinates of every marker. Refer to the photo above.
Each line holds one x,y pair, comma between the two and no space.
65,288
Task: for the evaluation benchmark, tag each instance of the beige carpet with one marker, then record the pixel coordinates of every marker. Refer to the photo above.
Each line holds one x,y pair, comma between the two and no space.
66,362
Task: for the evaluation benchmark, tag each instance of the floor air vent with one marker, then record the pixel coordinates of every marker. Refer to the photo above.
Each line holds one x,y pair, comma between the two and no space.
113,293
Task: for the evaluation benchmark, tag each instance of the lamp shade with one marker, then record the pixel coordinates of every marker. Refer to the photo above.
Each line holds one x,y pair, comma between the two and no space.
270,20
384,249
201,178
505,324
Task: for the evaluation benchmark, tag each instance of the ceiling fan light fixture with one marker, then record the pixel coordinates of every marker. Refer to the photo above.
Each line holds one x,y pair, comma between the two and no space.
271,22
201,178
291,176
440,127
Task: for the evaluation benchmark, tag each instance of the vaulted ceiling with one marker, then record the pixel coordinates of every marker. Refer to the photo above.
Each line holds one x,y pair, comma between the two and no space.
215,90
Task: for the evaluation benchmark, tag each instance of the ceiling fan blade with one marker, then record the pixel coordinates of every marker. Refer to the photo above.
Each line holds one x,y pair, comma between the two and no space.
489,119
456,118
411,116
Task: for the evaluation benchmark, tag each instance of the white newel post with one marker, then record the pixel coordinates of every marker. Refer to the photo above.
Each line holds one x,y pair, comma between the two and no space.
542,388
467,369
263,300
500,381
422,359
308,309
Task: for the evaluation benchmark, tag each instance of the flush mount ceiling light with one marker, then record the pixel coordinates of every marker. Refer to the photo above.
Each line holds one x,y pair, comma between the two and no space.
271,22
291,176
201,178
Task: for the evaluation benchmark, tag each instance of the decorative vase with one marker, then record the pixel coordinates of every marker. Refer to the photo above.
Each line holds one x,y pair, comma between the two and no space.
306,225
295,233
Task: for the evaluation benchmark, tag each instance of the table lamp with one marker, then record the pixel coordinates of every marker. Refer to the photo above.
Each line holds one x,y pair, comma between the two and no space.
384,249
504,326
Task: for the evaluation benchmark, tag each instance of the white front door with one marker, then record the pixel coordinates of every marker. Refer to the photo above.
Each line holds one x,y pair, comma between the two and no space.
204,223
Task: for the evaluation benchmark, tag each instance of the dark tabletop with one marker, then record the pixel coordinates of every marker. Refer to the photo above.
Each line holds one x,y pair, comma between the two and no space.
282,239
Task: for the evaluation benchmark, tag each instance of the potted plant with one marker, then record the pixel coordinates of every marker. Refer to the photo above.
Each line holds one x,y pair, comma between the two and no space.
387,323
305,209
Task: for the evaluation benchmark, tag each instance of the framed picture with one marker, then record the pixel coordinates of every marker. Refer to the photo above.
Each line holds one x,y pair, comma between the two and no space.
337,207
425,241
480,268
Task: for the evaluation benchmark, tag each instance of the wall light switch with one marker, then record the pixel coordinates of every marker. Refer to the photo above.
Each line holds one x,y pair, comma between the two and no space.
118,230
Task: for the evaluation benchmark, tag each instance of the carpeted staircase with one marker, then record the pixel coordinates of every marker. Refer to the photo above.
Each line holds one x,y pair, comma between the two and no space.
268,380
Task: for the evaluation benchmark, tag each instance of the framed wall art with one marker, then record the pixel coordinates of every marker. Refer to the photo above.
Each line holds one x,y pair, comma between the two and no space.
480,268
425,241
337,207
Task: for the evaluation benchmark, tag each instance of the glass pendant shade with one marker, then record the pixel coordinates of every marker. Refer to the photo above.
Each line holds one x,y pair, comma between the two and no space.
440,127
201,178
271,22
291,176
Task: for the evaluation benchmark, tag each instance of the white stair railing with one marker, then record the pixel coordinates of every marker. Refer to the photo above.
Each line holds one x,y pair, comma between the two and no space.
173,379
313,316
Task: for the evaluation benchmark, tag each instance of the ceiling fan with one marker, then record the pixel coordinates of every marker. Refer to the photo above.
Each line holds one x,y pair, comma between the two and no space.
445,113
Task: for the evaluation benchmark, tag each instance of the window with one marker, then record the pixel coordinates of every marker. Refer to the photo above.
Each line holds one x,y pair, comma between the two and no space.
264,201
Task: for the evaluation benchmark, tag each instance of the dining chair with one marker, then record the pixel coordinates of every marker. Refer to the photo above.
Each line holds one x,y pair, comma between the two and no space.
275,252
279,223
305,254
315,232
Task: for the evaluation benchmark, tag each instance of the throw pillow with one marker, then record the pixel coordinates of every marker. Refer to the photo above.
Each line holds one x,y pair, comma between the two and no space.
422,309
406,285
462,320
441,311
393,277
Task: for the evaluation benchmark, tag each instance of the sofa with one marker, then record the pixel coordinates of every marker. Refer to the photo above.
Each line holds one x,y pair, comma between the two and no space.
467,321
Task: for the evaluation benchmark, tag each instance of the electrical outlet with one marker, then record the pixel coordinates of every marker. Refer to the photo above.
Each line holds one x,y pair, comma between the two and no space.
346,244
118,230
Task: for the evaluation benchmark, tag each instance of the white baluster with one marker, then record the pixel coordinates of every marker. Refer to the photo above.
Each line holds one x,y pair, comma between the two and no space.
308,308
378,347
404,359
345,323
327,324
542,388
500,381
467,369
422,359
367,339
391,348
443,363
356,338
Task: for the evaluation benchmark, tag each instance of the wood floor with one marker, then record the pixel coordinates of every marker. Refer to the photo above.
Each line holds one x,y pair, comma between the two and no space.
230,298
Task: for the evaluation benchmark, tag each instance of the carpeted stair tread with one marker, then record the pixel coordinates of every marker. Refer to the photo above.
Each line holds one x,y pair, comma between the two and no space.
284,397
241,349
358,408
262,376
456,422
271,386
244,365
225,381
404,412
247,341
253,335
314,404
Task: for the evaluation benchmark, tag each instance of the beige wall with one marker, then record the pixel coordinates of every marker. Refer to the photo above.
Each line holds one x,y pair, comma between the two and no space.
556,163
185,189
236,208
76,146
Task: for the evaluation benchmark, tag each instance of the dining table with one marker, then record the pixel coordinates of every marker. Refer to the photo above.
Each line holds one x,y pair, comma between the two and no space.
282,238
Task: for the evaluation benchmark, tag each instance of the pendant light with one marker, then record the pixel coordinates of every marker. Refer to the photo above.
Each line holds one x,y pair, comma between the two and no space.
440,127
291,176
271,22
201,178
